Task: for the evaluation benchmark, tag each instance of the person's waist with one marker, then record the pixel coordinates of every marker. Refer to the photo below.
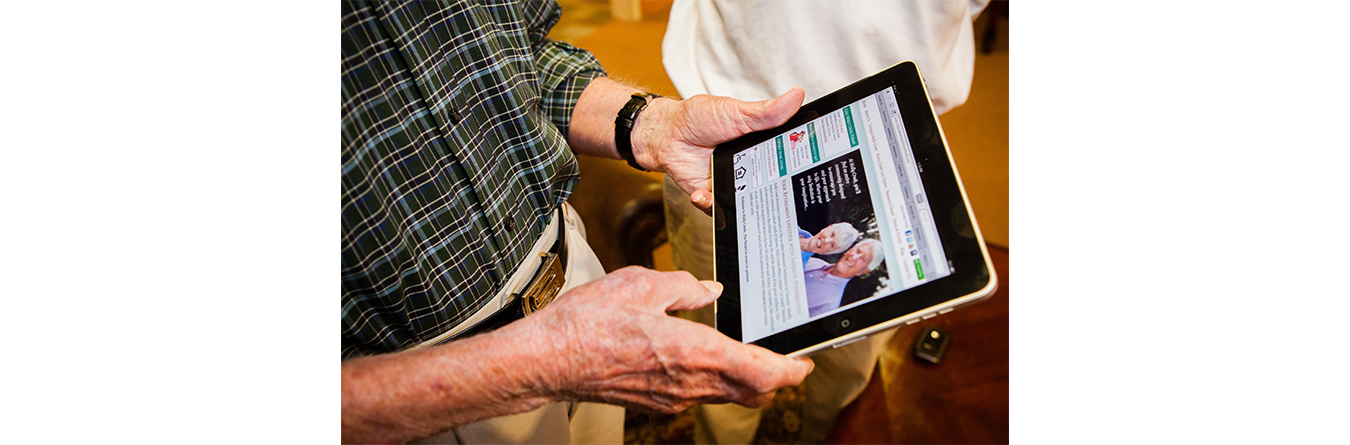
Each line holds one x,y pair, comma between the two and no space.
533,284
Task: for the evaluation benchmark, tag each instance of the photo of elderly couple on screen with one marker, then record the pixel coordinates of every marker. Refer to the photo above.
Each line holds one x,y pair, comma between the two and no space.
842,255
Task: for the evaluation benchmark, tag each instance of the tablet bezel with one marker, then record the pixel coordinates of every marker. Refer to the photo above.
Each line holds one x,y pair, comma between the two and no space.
972,278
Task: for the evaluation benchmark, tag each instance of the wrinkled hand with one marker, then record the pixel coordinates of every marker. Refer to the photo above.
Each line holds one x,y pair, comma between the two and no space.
612,342
678,137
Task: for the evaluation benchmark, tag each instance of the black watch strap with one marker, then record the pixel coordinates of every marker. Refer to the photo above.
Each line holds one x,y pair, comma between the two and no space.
623,126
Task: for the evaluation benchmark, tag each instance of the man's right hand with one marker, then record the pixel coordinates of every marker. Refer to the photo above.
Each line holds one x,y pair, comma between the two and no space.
611,341
607,341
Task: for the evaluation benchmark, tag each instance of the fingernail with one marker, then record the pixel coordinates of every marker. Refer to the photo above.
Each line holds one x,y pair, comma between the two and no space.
702,199
713,286
808,361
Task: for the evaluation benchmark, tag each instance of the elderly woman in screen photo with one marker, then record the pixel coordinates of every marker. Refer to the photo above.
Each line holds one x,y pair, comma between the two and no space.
831,240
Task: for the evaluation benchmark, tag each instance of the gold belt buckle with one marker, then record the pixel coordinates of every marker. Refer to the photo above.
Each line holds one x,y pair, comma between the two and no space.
546,284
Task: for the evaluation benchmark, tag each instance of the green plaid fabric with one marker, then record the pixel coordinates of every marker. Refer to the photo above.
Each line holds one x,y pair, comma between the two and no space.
454,154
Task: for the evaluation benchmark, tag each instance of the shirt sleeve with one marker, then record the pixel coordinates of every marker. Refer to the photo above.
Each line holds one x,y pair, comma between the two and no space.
564,70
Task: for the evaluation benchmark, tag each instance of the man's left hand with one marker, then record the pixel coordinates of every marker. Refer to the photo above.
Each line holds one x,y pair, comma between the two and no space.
678,136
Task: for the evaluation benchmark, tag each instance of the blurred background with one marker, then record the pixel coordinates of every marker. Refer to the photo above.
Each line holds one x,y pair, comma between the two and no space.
962,400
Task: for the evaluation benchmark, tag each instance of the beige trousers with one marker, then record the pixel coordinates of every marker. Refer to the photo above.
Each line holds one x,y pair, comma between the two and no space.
840,375
555,423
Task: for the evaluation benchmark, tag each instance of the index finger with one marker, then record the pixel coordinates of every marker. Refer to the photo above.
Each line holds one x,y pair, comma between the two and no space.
766,371
754,367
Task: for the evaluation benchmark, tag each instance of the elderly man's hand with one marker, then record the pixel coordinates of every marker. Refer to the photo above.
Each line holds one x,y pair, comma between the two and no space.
611,341
678,137
607,341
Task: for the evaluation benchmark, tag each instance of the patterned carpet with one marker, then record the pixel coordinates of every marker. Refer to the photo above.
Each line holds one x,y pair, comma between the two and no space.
781,424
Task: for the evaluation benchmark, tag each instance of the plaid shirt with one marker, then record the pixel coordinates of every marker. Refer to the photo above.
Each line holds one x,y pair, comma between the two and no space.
454,154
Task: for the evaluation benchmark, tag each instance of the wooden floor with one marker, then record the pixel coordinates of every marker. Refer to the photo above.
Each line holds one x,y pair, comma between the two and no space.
962,400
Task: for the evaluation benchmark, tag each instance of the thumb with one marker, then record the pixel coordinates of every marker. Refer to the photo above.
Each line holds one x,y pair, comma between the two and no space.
694,297
702,199
767,114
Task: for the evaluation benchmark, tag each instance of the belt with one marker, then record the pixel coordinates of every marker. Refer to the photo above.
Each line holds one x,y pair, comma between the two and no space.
539,291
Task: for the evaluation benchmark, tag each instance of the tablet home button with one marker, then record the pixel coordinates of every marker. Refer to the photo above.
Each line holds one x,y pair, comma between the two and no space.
845,323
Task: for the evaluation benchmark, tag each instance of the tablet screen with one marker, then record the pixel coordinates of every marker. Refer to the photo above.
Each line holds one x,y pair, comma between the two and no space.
832,214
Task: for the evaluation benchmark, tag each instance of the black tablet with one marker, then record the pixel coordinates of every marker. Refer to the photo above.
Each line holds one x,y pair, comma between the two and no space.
848,220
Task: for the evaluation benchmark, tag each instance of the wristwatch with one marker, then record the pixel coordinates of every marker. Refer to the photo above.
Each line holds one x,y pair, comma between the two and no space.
623,126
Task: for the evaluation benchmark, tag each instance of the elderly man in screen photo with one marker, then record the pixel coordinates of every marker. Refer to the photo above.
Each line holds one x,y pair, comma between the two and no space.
832,240
825,282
